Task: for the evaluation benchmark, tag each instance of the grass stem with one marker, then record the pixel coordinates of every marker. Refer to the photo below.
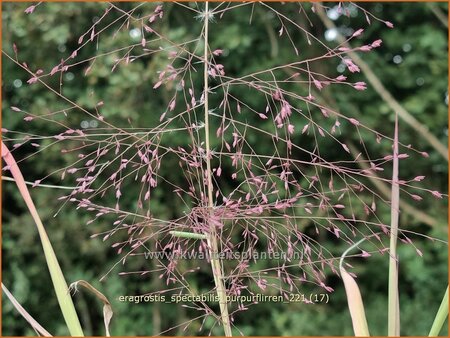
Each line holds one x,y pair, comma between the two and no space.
393,297
212,237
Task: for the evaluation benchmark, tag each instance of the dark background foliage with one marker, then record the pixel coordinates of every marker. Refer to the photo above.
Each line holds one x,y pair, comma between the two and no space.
412,64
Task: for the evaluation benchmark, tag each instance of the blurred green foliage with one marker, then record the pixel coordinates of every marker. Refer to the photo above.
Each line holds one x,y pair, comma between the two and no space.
418,81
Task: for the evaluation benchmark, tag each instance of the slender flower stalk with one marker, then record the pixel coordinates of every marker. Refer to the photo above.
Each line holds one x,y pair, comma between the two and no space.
212,237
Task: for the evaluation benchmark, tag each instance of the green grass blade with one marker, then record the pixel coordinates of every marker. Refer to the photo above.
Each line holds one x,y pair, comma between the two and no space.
183,234
36,326
393,296
441,316
59,283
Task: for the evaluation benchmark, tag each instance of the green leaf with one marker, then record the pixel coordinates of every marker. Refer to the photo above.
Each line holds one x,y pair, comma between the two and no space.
187,235
59,283
441,316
